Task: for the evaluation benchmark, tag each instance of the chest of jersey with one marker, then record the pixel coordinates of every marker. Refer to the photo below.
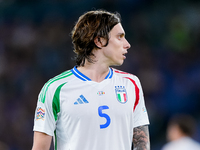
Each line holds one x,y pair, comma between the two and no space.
102,105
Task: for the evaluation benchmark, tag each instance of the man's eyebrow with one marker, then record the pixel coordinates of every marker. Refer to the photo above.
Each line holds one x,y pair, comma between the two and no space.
121,34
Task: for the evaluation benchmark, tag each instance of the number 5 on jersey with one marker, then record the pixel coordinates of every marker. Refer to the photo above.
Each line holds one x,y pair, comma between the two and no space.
101,114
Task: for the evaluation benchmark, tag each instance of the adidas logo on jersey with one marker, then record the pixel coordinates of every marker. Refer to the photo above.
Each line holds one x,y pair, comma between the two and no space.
81,100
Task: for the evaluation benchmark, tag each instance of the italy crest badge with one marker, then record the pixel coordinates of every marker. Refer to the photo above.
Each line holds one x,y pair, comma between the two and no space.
121,94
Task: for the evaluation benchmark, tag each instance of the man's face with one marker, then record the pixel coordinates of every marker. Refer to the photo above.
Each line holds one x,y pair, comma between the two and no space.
117,47
173,132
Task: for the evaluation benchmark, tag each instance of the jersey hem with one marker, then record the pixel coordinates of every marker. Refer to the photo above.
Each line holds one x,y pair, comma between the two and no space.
141,124
43,130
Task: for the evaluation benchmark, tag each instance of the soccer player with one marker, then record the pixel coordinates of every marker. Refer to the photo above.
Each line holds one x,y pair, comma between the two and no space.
181,128
93,106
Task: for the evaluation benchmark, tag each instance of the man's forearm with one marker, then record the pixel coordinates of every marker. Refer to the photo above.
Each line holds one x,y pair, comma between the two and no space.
141,138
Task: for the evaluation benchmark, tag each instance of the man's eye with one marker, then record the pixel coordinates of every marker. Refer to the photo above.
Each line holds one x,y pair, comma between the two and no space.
121,36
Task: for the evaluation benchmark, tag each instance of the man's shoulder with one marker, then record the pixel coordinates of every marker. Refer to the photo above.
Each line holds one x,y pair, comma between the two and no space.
59,79
124,74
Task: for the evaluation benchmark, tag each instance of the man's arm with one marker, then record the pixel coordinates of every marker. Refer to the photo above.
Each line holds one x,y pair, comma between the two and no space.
141,138
41,141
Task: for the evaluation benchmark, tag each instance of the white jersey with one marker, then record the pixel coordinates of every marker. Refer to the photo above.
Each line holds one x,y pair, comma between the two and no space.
85,115
185,143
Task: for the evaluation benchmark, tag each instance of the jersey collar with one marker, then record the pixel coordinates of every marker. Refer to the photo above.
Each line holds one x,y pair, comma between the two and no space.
83,77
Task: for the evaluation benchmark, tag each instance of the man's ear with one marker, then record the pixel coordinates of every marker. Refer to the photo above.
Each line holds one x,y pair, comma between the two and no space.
99,42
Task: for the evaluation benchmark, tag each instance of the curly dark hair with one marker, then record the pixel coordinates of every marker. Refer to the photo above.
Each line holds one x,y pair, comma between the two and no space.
90,25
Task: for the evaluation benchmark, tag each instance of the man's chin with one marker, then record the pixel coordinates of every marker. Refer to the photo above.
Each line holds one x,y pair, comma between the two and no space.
118,64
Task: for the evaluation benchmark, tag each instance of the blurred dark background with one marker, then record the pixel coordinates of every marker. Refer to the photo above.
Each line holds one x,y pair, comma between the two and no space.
35,45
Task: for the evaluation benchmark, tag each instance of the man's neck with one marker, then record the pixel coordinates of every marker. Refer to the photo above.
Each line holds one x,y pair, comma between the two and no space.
96,72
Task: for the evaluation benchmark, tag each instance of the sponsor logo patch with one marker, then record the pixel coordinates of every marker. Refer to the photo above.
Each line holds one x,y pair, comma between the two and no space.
40,113
121,94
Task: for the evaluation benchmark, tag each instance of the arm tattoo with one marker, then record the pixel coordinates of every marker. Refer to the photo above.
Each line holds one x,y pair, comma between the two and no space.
141,138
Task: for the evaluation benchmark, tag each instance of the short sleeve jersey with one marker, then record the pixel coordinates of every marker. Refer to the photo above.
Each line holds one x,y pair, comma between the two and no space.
85,115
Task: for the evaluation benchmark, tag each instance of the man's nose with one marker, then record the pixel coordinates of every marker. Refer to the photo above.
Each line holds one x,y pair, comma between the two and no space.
127,45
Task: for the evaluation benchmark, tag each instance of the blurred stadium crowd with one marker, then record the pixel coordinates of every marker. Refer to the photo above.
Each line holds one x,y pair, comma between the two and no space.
35,45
